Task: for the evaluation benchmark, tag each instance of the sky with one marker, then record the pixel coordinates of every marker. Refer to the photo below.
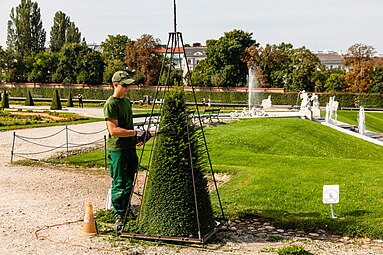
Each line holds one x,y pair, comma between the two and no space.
332,25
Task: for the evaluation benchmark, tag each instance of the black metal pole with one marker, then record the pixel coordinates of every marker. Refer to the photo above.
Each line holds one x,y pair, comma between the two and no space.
105,165
13,146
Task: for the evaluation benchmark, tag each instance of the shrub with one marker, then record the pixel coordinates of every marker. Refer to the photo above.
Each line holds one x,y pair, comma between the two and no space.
69,102
28,99
169,207
4,100
293,250
56,104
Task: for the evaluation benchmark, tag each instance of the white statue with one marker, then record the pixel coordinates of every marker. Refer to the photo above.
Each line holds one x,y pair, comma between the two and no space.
266,103
315,106
305,104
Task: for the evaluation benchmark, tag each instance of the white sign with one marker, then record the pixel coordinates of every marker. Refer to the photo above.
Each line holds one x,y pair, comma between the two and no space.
330,194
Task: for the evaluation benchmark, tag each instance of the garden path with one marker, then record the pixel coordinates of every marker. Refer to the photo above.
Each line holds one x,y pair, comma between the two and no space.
32,197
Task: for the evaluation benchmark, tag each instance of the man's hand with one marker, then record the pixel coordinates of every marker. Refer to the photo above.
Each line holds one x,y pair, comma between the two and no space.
142,136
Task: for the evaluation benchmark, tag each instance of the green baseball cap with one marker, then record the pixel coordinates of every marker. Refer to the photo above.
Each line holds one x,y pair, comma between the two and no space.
122,76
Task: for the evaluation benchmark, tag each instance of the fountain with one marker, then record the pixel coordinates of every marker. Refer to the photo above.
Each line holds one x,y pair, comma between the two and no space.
253,83
361,121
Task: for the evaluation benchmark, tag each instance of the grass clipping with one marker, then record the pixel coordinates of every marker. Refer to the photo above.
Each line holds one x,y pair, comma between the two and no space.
169,207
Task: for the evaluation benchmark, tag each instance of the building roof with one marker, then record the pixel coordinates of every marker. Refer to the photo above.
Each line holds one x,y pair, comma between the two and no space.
196,52
326,57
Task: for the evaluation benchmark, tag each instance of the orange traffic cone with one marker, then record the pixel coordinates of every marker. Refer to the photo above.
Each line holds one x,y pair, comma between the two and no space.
89,225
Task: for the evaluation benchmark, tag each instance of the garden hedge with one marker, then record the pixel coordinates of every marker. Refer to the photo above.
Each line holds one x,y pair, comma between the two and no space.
28,99
56,104
168,207
224,97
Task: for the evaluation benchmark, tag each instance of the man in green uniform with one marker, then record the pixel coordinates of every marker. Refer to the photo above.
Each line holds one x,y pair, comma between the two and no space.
121,144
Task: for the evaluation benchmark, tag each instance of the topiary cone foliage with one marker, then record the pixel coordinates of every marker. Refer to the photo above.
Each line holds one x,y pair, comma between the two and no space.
168,207
4,100
29,100
56,104
69,102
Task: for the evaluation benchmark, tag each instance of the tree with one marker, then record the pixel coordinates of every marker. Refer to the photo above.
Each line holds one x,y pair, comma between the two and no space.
58,31
304,65
25,29
168,206
73,34
334,83
79,64
377,80
40,66
113,52
63,31
56,103
143,57
359,61
223,57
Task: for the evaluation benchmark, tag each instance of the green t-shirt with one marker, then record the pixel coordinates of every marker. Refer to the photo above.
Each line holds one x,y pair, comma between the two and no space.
120,109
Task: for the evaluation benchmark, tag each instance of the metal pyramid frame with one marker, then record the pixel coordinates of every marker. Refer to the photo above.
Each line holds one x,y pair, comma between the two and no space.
174,44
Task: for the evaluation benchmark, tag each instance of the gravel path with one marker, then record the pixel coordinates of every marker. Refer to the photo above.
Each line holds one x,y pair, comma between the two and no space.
34,197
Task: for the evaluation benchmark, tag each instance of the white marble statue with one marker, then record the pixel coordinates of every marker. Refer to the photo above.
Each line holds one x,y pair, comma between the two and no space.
266,103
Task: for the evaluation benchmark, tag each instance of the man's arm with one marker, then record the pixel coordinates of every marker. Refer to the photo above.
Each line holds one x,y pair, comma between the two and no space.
115,130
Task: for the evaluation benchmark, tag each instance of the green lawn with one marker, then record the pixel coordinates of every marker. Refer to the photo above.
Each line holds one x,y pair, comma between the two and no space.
374,120
278,168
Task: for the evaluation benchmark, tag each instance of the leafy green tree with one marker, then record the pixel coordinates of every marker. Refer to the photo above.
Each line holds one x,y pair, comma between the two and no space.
334,83
79,64
223,56
377,80
111,67
198,75
63,31
143,57
113,52
40,66
305,64
91,67
58,31
168,206
29,99
280,66
15,69
56,103
73,34
25,29
3,63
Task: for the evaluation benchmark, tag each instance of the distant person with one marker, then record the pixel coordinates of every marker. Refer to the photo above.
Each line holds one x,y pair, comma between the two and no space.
203,101
209,102
80,103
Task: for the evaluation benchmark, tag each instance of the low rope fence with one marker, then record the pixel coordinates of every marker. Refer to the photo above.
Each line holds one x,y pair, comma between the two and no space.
40,148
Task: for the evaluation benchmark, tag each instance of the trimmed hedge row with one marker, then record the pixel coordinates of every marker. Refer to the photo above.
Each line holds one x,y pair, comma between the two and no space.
226,97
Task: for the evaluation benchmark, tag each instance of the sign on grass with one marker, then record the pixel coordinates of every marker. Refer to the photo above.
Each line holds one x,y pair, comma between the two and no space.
330,194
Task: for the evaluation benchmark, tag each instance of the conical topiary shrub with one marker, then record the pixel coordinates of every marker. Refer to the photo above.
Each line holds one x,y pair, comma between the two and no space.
4,100
56,104
69,102
29,99
168,207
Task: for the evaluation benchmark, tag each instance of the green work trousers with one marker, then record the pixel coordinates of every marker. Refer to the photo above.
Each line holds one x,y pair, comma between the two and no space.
123,165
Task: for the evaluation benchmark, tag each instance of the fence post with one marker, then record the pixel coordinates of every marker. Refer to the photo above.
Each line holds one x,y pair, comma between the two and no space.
13,146
66,138
105,164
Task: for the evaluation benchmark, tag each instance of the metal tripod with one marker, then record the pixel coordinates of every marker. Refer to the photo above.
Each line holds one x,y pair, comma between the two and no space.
175,49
